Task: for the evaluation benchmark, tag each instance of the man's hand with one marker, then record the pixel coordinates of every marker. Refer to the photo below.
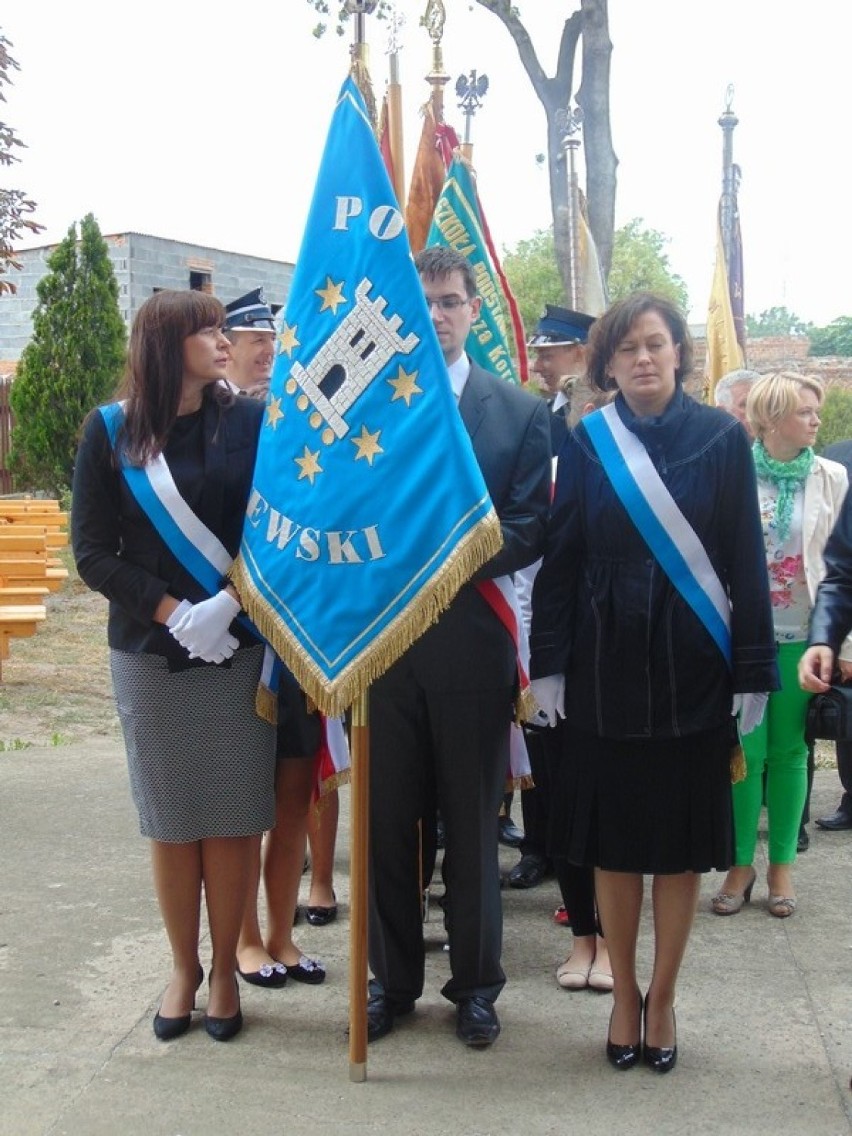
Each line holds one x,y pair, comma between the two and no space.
816,667
750,708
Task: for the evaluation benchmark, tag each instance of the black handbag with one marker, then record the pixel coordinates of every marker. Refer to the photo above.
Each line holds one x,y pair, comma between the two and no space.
830,715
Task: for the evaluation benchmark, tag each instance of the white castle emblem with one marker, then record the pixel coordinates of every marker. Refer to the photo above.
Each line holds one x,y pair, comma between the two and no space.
351,358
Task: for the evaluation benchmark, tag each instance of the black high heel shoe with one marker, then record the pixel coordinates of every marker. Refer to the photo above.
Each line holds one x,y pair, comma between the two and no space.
167,1029
660,1058
223,1029
624,1056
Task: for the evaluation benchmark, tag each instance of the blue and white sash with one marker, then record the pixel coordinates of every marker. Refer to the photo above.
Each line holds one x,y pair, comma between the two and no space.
198,550
660,523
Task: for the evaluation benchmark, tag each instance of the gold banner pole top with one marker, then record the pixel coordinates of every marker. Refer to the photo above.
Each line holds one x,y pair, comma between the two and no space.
360,53
433,20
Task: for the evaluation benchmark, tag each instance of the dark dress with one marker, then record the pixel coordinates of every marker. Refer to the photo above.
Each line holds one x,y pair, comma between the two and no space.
644,785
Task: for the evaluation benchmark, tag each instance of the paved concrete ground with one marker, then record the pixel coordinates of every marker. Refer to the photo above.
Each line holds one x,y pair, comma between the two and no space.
764,1007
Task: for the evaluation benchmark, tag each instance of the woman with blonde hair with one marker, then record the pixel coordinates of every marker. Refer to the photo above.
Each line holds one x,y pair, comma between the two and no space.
800,496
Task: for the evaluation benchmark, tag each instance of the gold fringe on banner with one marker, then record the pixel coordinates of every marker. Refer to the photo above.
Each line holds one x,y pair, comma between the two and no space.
738,764
526,706
360,73
333,697
266,704
517,783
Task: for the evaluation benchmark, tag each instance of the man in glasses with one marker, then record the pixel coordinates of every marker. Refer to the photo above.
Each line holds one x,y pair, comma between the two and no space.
441,715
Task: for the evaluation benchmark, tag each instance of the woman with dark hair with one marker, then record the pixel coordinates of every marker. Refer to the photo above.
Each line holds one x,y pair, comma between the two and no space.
160,489
650,611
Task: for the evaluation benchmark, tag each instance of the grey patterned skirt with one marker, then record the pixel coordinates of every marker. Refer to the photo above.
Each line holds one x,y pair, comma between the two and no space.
201,762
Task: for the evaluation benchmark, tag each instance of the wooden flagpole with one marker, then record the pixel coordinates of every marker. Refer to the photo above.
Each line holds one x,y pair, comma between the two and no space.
360,778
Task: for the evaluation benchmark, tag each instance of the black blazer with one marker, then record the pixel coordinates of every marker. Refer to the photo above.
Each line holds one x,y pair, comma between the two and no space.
468,648
119,552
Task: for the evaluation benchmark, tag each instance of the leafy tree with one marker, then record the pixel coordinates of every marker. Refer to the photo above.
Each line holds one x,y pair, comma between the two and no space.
835,339
533,276
836,415
639,260
587,27
72,362
15,206
776,321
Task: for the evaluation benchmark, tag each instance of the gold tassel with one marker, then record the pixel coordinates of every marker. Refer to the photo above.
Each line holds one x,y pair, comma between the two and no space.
525,782
738,764
266,704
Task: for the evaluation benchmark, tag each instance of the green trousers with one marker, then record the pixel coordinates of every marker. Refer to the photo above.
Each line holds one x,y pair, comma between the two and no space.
778,746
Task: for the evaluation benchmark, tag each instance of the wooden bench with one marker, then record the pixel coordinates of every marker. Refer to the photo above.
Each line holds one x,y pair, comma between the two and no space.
32,531
18,621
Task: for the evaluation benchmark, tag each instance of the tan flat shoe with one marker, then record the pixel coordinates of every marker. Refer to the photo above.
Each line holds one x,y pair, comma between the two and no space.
600,980
730,902
570,976
782,906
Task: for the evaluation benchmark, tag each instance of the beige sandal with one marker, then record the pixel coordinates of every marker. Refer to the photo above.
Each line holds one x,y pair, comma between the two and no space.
782,906
600,980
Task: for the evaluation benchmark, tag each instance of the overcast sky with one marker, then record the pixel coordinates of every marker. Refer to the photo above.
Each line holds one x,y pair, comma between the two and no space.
203,121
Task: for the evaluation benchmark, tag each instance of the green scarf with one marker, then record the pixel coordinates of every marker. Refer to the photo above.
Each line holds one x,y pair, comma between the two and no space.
788,477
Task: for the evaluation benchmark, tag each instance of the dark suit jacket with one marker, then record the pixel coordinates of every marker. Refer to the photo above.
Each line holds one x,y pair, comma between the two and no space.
468,648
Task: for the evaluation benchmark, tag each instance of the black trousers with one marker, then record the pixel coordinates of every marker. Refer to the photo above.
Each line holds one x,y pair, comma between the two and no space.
451,748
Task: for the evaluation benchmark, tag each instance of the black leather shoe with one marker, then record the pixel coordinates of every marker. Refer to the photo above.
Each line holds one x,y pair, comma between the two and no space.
624,1056
223,1029
838,821
803,840
167,1029
529,871
663,1058
382,1012
477,1024
321,916
509,833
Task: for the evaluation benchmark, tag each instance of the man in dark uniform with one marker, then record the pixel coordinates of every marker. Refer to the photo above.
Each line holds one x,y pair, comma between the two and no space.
250,330
440,716
559,342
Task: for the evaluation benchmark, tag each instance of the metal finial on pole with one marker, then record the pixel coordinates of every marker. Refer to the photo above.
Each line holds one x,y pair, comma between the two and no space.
394,104
569,122
360,52
433,20
470,92
730,174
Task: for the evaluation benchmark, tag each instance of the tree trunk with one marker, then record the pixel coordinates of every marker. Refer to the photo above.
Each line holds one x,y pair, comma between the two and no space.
593,99
590,21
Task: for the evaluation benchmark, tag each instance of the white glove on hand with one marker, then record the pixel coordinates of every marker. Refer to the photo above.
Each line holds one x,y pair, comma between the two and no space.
750,708
177,615
203,630
549,693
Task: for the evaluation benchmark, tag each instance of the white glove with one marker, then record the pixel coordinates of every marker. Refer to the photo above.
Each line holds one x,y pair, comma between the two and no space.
177,615
203,630
549,693
750,708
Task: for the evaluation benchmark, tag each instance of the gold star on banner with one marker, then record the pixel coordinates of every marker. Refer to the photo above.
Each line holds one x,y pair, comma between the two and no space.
405,386
308,464
274,413
331,295
287,339
367,445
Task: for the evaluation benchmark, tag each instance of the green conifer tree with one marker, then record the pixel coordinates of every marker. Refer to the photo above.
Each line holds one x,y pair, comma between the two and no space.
72,363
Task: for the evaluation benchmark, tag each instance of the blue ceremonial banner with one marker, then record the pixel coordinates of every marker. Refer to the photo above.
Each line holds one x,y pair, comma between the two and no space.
368,510
458,223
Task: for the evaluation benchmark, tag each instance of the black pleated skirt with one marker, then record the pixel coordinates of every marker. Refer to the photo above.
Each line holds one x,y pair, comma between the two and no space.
655,806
